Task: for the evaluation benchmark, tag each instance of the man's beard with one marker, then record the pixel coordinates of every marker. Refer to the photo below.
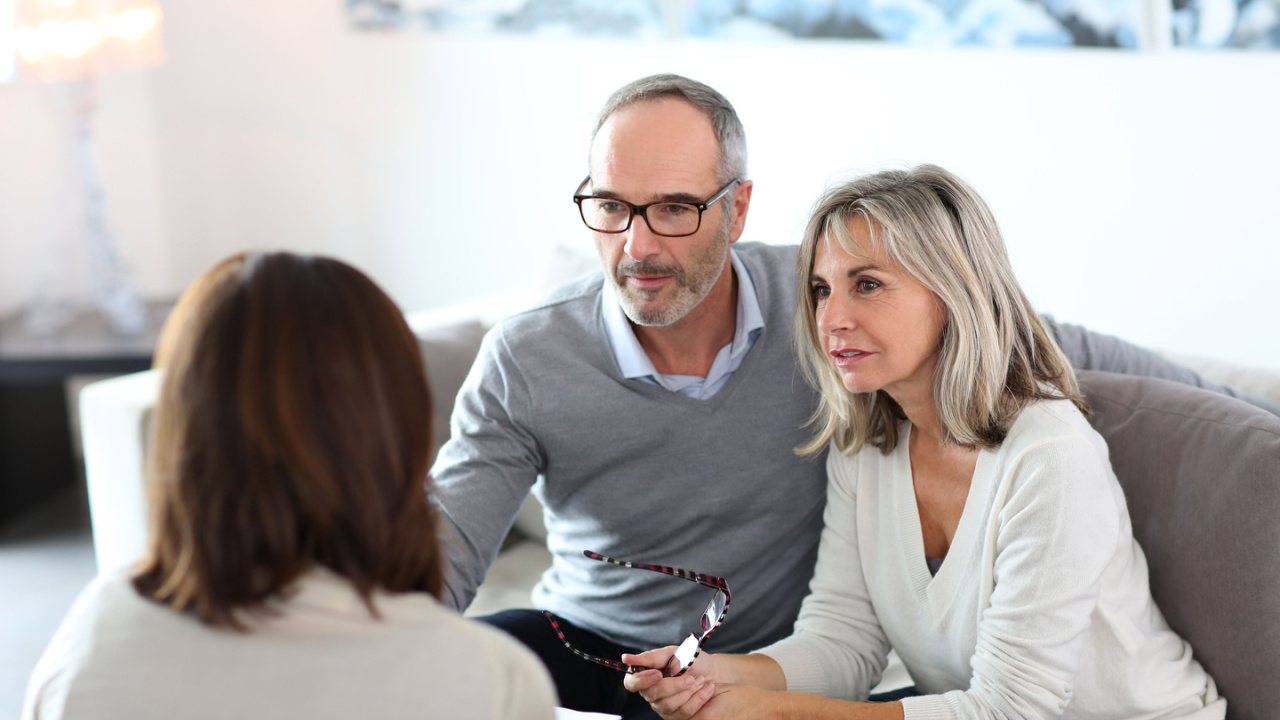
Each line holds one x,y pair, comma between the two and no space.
689,288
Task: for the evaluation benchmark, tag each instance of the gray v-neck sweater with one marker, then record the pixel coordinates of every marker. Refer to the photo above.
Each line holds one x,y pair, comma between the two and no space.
639,473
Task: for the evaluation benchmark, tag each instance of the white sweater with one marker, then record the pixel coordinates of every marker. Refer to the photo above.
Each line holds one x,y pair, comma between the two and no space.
1041,609
118,656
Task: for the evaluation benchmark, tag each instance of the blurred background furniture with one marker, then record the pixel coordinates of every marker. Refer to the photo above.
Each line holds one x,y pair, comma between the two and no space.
38,373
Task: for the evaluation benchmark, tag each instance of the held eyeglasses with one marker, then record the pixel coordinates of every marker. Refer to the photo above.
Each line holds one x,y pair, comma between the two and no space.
688,650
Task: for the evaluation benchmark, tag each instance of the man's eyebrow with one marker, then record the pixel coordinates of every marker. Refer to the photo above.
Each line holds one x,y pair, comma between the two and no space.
680,197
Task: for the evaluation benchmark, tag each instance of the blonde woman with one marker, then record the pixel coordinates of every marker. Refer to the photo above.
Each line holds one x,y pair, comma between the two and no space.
973,522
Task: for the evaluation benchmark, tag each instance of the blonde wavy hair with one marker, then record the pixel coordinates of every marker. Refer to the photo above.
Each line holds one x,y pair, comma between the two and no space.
995,355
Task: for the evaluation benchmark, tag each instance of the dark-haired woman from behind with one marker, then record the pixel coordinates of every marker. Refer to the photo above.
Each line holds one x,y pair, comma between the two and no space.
293,564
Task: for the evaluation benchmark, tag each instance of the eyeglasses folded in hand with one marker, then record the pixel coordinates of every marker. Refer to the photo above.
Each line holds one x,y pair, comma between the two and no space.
688,650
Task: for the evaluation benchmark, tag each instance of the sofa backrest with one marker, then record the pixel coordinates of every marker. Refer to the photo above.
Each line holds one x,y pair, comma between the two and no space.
1201,474
448,352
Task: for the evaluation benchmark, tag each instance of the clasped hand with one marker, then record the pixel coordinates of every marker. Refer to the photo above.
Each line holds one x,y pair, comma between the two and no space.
703,691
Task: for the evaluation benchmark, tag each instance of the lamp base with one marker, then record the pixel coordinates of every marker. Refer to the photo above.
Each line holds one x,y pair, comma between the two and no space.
114,294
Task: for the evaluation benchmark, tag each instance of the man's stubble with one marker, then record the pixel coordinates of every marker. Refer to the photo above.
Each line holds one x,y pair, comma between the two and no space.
691,285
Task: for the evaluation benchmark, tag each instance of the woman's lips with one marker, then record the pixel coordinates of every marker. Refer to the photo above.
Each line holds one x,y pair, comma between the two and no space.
847,357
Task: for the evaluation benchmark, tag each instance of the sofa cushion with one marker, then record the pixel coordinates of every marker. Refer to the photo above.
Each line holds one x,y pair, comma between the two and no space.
1201,473
1258,385
448,352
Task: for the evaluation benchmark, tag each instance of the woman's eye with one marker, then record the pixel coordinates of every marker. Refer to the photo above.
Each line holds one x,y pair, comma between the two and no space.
820,292
865,285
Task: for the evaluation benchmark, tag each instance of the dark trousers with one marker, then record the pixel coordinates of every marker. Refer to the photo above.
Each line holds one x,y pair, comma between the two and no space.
581,684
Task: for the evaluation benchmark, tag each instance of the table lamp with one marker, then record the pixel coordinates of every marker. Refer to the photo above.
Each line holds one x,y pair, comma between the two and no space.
76,41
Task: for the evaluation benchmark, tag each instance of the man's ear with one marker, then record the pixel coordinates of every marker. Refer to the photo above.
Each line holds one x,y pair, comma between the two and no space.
741,203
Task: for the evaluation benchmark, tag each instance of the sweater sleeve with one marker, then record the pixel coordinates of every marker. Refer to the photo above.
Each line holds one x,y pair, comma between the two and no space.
1088,350
1057,528
50,682
485,470
838,649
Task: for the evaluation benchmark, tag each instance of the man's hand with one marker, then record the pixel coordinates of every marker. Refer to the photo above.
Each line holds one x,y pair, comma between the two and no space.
677,698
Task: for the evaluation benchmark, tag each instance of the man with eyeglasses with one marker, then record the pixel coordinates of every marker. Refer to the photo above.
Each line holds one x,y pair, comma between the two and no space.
654,412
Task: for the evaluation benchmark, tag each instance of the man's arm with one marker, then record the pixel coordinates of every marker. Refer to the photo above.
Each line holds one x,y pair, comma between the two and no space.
1088,350
485,470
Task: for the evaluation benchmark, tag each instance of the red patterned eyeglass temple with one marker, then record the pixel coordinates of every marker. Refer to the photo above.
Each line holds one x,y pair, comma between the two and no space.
692,645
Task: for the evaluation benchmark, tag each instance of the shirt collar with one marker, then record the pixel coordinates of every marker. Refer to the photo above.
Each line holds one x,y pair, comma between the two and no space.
632,359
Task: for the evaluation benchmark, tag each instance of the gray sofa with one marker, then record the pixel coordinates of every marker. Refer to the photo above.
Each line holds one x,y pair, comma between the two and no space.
1201,474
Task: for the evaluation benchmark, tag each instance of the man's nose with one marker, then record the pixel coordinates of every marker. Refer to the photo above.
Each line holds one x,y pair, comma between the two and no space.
641,241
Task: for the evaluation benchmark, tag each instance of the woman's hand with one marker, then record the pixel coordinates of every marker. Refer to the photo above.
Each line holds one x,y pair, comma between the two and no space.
742,702
707,701
675,698
716,686
733,701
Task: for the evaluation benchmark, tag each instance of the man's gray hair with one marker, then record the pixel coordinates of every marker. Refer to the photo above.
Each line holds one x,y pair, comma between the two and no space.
724,119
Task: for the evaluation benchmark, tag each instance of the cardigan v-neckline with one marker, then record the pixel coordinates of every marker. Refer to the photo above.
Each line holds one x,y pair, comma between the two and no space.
936,593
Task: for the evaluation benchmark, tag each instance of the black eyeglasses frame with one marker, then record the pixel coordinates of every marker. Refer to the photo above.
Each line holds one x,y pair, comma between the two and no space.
643,210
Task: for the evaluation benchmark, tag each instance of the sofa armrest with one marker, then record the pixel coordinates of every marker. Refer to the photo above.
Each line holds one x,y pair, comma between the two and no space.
113,424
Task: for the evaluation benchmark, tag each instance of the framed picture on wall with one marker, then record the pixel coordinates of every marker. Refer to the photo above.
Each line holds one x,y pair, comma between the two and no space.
586,18
921,23
1226,24
929,23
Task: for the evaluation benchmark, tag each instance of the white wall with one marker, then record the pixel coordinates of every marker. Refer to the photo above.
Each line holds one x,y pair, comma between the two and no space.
1137,192
6,41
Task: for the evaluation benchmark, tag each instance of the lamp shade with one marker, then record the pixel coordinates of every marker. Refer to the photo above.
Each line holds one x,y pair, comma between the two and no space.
58,40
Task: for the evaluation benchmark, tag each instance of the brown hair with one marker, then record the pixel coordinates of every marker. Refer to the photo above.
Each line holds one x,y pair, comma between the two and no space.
293,430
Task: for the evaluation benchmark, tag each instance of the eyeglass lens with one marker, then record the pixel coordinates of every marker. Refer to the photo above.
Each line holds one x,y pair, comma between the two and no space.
684,656
688,650
606,215
714,610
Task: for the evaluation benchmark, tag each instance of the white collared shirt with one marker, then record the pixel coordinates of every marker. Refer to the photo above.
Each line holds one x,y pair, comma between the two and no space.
635,363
